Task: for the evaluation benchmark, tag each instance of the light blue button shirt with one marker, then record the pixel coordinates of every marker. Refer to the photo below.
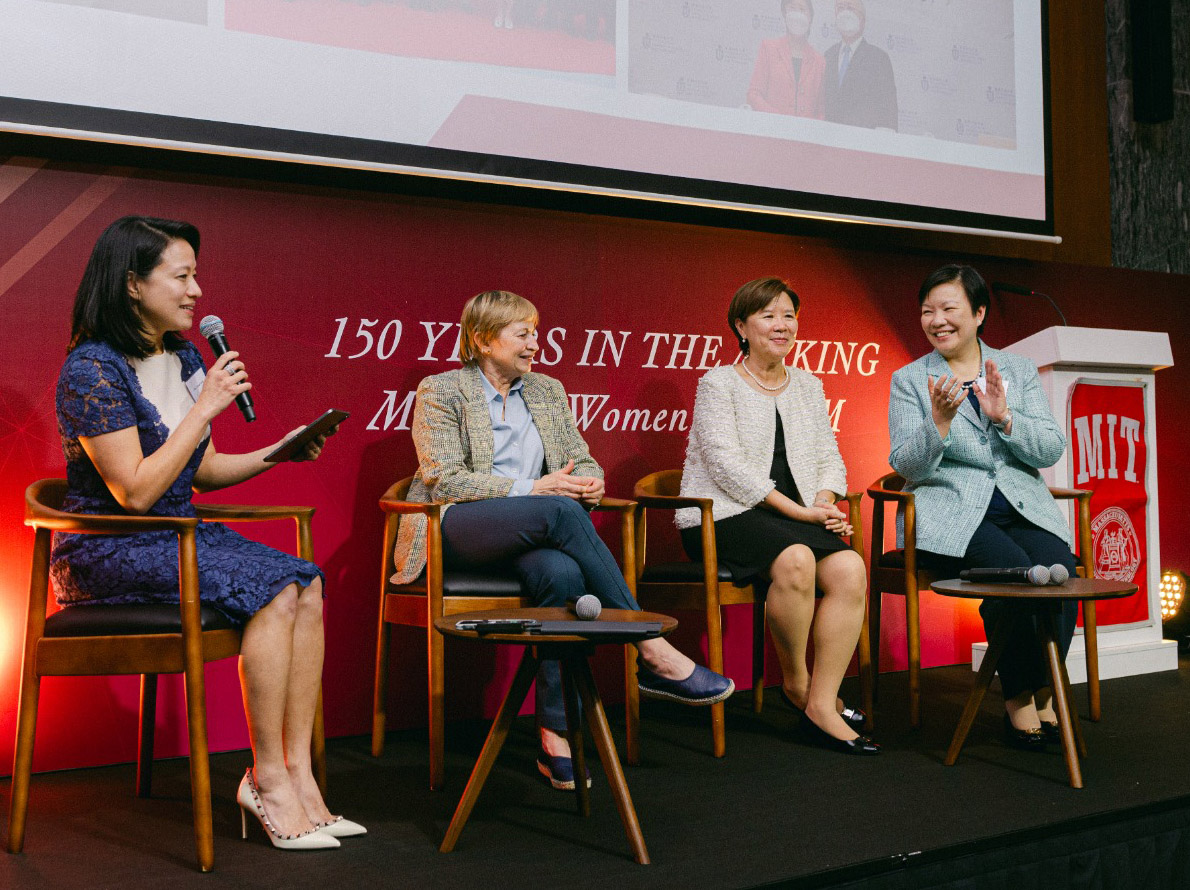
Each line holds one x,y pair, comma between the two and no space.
517,450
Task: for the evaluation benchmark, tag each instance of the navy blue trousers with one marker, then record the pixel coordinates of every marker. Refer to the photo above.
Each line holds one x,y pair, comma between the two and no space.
551,545
1006,540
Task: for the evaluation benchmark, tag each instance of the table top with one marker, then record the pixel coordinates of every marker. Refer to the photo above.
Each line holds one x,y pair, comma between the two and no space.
1074,589
446,625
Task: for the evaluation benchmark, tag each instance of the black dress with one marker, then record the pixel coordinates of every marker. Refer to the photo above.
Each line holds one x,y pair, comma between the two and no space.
748,542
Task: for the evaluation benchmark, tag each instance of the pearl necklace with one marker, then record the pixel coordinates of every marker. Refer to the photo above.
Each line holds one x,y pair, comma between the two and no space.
776,388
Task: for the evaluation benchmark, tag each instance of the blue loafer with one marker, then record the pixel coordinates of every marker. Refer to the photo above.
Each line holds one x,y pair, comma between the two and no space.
703,687
559,771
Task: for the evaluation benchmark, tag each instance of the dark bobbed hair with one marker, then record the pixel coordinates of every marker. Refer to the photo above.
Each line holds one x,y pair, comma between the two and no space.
785,4
103,308
754,296
972,283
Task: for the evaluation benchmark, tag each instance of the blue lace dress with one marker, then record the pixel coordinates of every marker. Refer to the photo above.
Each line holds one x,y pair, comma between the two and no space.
99,392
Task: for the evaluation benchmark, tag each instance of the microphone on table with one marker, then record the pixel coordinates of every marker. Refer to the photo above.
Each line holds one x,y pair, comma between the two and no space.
1036,575
1059,574
211,327
586,607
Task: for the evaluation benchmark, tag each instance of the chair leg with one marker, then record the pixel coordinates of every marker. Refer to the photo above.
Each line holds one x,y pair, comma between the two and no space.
1091,646
758,617
913,632
865,669
148,726
200,766
22,764
437,666
631,707
875,601
715,657
380,689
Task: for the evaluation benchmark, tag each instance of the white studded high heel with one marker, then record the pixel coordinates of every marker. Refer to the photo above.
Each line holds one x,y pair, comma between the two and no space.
337,826
248,797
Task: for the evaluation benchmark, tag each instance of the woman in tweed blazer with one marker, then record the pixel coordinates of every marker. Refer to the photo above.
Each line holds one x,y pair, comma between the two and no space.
970,428
762,448
498,445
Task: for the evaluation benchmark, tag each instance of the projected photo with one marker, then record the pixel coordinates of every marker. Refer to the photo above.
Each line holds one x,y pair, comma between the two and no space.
549,35
192,11
939,69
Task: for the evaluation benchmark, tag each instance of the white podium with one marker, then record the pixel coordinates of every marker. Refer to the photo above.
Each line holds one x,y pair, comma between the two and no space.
1067,356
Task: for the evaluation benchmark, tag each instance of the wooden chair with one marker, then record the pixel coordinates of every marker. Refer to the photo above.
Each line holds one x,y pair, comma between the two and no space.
436,593
706,586
134,639
897,572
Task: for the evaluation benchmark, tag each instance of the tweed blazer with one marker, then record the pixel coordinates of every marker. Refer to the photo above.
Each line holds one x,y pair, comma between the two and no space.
730,449
452,432
952,479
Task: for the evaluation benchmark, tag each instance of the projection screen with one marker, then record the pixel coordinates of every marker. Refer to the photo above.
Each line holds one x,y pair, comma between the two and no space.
929,113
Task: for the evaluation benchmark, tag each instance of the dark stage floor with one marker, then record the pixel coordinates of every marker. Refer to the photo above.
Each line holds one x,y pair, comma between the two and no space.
773,810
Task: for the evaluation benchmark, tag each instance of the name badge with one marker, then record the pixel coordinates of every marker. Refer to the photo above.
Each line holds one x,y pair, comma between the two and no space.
194,384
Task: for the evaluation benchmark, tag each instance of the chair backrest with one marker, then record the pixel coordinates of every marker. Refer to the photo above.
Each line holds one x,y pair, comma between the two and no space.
663,483
890,482
48,494
398,491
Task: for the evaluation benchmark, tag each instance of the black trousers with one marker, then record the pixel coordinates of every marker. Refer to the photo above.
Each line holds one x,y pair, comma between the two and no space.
1005,541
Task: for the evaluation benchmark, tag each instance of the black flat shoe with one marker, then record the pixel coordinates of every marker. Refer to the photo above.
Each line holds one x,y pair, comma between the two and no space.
860,745
1024,739
1051,730
854,717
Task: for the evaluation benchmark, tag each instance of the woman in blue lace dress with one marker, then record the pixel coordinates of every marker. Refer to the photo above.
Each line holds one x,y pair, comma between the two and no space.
134,410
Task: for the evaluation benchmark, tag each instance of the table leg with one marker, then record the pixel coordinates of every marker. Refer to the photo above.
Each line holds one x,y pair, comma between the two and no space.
982,681
491,747
1091,646
1061,700
602,737
1075,723
574,733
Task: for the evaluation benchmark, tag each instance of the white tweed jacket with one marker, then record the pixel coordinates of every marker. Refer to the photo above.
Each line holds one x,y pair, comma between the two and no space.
452,432
730,449
952,479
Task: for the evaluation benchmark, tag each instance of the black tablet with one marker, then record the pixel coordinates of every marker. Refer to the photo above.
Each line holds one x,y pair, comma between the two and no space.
288,449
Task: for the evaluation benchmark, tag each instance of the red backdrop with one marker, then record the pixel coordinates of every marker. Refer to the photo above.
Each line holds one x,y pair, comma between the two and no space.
630,310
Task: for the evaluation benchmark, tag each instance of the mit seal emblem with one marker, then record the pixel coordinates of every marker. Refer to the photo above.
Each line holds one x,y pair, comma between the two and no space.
1116,546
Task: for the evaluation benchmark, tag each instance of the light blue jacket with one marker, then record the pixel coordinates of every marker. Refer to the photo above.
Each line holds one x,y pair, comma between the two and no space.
952,479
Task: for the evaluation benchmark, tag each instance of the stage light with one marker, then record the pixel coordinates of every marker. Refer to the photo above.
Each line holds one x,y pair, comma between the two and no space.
1175,615
1173,593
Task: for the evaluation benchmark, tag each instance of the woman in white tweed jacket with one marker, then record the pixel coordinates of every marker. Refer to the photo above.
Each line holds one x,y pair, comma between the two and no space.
762,448
970,426
498,445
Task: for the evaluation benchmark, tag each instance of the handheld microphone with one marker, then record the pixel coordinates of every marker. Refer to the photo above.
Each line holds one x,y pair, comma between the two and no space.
1059,574
211,327
586,607
1036,575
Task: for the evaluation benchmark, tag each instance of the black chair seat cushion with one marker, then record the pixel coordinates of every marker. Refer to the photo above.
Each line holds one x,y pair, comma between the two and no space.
678,573
892,559
123,620
464,583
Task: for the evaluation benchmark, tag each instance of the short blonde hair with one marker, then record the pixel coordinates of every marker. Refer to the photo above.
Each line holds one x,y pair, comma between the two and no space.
485,315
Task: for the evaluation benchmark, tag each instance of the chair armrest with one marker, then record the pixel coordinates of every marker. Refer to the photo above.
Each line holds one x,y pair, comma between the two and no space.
879,494
670,502
1069,493
617,505
251,512
39,516
404,508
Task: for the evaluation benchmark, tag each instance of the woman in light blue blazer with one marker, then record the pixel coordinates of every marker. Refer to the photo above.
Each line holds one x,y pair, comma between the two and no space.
970,429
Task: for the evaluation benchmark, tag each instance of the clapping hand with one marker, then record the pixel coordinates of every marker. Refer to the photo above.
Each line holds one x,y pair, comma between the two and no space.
993,399
946,395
